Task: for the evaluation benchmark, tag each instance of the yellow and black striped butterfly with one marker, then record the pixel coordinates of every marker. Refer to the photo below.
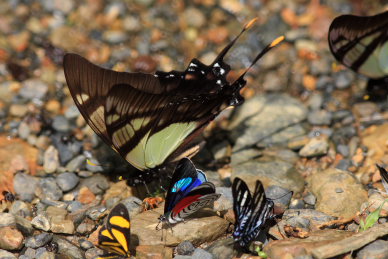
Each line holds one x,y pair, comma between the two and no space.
114,237
361,43
150,119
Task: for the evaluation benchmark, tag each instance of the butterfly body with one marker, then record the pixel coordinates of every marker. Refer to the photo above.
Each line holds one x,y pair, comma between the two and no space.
251,211
188,192
114,237
150,120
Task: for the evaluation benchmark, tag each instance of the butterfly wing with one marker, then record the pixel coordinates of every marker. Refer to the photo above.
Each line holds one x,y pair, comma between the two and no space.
361,43
242,200
185,178
115,236
251,212
198,198
262,209
384,177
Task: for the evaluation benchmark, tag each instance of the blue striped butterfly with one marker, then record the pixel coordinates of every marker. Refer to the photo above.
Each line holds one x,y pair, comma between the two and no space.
151,119
384,177
361,43
188,192
251,212
114,237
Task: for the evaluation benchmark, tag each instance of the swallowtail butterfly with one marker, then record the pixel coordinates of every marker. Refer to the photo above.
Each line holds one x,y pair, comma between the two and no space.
115,235
251,212
188,192
150,119
361,43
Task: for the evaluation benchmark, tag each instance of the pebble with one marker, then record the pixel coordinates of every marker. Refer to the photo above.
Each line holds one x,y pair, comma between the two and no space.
96,213
18,110
74,206
85,244
23,130
10,238
20,208
67,181
343,150
325,186
315,147
42,253
279,195
319,117
133,204
185,248
264,115
296,204
61,124
315,101
51,160
24,226
33,89
49,189
41,222
194,17
310,199
38,240
199,253
96,184
7,255
25,186
68,249
77,163
62,226
375,250
225,202
7,219
343,79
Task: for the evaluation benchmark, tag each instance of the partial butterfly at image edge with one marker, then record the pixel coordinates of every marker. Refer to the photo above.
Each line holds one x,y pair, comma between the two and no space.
251,212
188,192
384,177
149,119
361,44
114,236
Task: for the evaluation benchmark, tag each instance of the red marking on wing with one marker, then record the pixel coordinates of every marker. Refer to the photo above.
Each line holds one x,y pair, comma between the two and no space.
184,203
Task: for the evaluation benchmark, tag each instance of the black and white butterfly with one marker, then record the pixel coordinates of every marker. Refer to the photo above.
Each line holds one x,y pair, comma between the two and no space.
251,212
384,177
188,192
361,43
151,119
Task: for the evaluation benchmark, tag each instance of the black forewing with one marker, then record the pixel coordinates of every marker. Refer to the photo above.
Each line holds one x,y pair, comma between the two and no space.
352,39
90,84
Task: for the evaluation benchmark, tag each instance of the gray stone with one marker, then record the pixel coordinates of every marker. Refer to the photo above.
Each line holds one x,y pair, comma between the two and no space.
185,248
201,254
296,204
38,240
133,204
225,202
24,186
33,88
23,130
310,199
315,101
42,253
67,248
375,250
263,116
24,226
319,117
49,189
343,79
315,147
276,172
41,222
67,181
76,164
20,208
61,124
96,184
85,244
299,222
74,206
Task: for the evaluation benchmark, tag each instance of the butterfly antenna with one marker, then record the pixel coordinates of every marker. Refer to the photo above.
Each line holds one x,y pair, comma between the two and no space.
273,199
222,54
273,44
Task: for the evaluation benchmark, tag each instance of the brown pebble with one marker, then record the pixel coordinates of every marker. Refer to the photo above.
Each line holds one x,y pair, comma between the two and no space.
153,252
85,196
145,64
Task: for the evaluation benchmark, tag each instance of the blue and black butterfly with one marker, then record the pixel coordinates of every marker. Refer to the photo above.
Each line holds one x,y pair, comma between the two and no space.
251,212
361,43
188,192
114,237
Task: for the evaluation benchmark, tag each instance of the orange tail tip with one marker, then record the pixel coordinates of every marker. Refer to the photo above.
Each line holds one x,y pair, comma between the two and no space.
250,23
276,41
